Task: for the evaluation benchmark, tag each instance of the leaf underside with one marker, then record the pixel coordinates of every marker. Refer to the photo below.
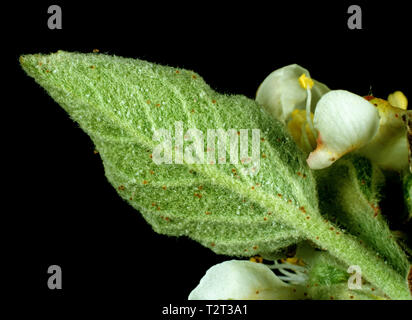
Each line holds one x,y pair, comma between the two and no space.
121,102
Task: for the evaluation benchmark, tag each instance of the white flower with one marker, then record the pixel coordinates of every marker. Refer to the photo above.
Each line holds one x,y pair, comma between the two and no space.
342,121
345,122
280,93
243,280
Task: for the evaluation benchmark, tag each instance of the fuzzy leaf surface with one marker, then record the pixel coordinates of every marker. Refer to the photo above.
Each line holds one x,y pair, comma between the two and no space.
120,103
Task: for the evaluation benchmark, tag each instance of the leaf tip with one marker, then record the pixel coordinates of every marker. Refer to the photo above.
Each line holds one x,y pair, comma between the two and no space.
29,61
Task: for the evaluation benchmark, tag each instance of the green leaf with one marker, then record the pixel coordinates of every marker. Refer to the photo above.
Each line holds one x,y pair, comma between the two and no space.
407,192
354,184
120,103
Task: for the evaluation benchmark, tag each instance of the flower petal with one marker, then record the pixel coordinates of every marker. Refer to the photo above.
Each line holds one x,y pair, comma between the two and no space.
345,122
398,100
389,147
243,280
280,93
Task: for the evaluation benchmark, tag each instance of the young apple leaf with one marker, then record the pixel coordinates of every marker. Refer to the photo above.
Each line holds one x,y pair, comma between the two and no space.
142,118
354,184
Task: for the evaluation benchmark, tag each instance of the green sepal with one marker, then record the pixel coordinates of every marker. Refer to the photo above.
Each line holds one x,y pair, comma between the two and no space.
328,277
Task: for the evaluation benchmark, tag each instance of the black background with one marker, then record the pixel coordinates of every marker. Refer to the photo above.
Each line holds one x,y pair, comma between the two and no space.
75,218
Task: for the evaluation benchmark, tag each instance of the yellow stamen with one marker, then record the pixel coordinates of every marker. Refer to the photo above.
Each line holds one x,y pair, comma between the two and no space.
294,260
257,259
305,82
398,99
300,130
